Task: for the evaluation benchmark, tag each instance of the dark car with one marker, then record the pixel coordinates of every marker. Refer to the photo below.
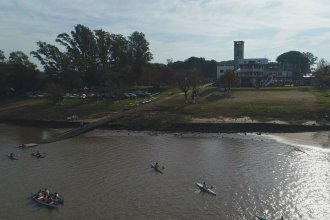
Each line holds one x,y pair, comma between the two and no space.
142,93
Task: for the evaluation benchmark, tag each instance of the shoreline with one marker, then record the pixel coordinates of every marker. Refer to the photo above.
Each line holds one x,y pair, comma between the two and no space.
318,140
306,136
202,127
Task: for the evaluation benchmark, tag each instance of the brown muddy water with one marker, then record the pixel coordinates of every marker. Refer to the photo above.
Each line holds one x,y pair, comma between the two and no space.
106,175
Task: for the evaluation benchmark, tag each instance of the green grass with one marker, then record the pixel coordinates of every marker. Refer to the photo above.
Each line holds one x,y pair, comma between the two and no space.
323,97
287,103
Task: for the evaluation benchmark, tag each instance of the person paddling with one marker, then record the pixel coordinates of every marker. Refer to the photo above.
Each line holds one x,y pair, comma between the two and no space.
204,185
46,192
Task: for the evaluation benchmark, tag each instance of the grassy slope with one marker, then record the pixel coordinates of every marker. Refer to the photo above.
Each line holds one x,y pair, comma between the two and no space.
288,104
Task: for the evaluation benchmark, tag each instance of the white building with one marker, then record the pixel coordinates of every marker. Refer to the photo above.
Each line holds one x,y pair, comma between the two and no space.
221,70
257,71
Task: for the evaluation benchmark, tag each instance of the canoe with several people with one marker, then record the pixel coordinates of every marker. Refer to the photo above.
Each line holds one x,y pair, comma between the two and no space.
39,155
52,200
157,167
12,156
205,188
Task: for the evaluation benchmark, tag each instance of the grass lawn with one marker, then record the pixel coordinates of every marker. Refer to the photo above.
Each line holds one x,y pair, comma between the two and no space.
288,104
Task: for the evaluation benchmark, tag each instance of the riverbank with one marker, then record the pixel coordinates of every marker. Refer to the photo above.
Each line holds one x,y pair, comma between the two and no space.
273,110
167,126
308,134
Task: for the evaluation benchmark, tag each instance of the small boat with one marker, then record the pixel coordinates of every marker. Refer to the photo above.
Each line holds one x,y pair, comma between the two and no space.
28,145
43,155
53,204
157,168
205,189
262,218
12,156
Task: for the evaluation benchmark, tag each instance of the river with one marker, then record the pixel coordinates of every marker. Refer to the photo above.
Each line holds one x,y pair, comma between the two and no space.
106,174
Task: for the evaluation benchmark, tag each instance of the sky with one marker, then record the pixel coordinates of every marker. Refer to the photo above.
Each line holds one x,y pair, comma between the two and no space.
176,29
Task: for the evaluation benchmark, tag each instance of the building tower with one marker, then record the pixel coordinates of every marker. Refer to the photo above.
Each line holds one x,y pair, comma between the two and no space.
238,53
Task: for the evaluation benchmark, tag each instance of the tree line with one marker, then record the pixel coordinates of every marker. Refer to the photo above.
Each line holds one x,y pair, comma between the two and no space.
18,74
97,58
93,58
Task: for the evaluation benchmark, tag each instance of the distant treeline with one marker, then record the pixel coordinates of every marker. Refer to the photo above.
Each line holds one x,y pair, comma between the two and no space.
100,59
95,59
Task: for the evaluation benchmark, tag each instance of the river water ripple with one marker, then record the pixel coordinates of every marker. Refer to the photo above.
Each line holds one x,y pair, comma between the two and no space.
106,175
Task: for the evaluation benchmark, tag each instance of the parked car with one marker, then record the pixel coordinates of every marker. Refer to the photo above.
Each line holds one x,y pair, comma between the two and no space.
36,94
140,93
129,95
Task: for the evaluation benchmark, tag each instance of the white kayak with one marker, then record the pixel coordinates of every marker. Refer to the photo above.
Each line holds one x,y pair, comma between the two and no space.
28,145
205,189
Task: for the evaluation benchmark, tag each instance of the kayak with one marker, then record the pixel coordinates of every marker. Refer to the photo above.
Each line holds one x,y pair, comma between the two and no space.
156,169
43,155
205,189
262,218
12,157
53,204
28,145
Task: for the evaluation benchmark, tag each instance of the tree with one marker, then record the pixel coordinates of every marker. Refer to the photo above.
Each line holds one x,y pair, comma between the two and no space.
151,74
169,61
195,82
18,74
298,60
184,85
18,78
226,63
4,79
206,68
2,56
58,66
322,64
311,59
139,53
20,58
323,71
103,41
119,51
82,49
89,56
167,76
50,57
229,79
